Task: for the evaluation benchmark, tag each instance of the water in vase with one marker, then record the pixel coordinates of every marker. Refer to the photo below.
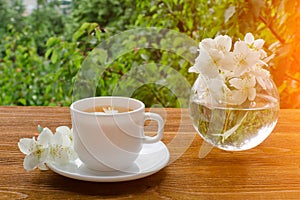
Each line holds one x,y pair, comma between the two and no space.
235,129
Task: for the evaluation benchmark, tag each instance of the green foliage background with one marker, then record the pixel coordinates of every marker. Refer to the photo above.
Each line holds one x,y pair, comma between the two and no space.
40,54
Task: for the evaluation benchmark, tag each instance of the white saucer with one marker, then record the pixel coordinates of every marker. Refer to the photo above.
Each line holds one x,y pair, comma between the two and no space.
152,158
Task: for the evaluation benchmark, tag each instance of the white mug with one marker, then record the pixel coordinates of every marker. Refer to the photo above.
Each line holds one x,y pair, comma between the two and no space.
111,141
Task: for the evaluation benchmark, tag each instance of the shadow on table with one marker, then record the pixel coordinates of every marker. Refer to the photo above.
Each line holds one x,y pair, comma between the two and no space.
114,189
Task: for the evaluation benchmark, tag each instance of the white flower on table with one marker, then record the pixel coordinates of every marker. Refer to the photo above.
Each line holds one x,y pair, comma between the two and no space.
66,131
48,147
36,150
61,146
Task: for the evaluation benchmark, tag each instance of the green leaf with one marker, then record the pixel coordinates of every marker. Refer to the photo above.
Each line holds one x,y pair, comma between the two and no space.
98,34
84,26
189,23
51,41
153,8
144,56
48,53
77,35
22,101
92,27
54,57
39,128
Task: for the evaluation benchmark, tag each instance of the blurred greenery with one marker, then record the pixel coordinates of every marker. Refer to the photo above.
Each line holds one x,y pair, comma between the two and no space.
42,53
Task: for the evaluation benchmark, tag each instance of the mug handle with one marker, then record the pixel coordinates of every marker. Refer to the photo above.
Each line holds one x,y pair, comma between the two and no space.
160,131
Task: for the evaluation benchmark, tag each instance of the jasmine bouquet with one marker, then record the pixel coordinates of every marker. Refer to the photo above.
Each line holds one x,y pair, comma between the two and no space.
48,147
234,104
230,75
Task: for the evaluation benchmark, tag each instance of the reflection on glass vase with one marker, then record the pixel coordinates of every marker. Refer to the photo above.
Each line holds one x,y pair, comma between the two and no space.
236,128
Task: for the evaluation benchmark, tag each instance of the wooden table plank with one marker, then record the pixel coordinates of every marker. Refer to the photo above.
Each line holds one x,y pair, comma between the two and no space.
269,171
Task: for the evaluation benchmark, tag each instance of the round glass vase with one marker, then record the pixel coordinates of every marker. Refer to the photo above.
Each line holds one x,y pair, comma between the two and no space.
236,128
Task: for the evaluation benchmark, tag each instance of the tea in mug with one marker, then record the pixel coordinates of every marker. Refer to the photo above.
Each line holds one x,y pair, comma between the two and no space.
108,109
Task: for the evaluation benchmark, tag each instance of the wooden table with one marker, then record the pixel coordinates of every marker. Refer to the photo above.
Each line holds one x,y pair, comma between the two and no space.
269,171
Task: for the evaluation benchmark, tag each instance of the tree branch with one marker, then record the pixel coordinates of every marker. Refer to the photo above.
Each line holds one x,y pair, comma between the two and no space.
280,39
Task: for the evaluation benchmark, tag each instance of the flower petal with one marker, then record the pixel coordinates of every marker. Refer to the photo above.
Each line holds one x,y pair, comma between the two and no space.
71,137
31,161
250,82
207,44
252,58
251,94
223,43
72,155
249,38
261,82
64,129
43,155
45,137
194,69
236,82
206,65
227,62
60,138
259,43
59,154
241,47
200,85
42,166
27,146
236,97
216,90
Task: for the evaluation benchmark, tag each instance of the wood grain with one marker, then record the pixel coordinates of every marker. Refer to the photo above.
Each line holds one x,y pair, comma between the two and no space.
269,171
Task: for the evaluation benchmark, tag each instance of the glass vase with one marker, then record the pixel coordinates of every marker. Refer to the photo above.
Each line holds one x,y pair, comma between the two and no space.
236,128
